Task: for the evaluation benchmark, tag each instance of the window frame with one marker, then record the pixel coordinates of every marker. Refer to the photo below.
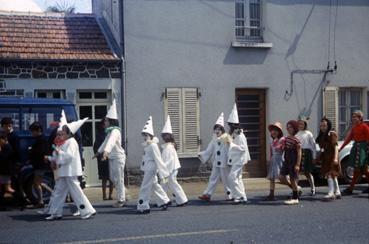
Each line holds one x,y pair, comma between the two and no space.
247,27
93,102
344,125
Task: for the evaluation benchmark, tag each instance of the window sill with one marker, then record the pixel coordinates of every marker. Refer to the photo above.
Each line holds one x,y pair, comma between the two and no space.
187,155
250,44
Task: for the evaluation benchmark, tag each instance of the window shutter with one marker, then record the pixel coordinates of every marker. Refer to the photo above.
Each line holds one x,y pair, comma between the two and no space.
191,128
173,108
330,105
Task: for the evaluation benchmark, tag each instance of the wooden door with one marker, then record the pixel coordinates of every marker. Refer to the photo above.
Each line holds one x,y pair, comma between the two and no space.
251,111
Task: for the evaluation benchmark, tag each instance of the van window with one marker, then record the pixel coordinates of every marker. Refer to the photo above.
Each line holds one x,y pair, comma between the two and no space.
45,116
11,113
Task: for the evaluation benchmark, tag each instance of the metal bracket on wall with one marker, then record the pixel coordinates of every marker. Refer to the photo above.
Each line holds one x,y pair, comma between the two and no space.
307,111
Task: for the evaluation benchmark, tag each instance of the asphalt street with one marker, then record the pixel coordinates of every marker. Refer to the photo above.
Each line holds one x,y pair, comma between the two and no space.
313,221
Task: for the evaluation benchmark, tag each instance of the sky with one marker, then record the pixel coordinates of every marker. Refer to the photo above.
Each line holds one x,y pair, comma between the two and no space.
82,6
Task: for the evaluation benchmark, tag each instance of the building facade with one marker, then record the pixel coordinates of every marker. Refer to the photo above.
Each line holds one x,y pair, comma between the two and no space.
194,59
58,56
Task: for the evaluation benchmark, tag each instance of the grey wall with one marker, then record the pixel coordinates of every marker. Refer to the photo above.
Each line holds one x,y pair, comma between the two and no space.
187,43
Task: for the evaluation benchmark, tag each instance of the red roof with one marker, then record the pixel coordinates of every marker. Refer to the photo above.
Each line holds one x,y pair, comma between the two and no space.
59,38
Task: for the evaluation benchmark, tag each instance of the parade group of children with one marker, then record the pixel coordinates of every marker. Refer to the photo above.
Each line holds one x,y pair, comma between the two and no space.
297,152
227,152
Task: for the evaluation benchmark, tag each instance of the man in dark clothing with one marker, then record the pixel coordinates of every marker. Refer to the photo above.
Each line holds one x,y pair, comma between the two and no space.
6,153
38,159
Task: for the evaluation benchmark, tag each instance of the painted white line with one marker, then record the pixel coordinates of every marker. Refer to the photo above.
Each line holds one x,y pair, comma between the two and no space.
131,238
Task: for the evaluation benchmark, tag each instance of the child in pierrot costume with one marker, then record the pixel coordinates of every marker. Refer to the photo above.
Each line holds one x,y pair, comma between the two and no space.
217,154
170,158
153,166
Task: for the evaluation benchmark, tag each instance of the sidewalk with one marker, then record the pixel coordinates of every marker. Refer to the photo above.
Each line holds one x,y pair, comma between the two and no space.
192,189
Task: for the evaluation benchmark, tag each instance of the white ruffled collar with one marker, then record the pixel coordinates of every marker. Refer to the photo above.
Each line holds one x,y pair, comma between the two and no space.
154,140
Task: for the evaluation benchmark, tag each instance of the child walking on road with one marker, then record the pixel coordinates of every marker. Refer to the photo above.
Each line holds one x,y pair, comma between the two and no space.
276,156
170,158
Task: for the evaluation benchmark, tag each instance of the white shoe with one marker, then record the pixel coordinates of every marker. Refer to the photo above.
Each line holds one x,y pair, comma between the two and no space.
86,216
329,196
240,200
118,204
42,212
338,195
54,217
77,213
291,202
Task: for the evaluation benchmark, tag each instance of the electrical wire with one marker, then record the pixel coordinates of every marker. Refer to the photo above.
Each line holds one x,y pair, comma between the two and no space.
334,36
329,32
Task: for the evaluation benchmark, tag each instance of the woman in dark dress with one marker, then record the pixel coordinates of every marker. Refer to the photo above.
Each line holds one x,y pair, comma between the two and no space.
103,165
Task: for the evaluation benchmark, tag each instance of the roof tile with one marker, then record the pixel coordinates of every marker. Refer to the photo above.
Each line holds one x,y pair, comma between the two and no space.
76,37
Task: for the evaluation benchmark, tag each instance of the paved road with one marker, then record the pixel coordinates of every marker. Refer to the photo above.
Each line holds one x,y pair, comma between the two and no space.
341,221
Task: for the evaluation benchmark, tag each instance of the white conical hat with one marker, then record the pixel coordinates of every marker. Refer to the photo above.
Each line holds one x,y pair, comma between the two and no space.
112,113
167,127
148,128
63,120
75,125
220,120
233,117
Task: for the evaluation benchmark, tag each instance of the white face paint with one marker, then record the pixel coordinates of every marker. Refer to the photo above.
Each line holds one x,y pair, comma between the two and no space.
218,132
146,137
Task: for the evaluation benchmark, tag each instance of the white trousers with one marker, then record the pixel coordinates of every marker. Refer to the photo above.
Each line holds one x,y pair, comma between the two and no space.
65,185
116,175
175,188
150,186
236,183
216,173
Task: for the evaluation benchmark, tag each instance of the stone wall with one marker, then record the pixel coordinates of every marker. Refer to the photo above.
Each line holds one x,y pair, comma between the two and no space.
59,70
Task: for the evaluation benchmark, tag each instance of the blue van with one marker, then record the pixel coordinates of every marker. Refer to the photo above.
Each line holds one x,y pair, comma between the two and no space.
25,111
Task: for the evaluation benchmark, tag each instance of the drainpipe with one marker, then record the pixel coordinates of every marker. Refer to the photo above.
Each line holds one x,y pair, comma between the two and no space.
123,84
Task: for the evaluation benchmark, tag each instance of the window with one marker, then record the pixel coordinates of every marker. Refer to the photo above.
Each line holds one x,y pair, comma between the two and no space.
94,105
12,92
50,93
248,20
338,105
350,99
182,105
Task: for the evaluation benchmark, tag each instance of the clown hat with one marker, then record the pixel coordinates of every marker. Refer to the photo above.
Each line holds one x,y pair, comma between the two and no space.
75,125
112,113
148,128
63,120
233,117
220,120
167,127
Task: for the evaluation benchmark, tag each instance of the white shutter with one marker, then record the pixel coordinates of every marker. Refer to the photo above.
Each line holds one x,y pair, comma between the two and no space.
173,108
191,130
330,105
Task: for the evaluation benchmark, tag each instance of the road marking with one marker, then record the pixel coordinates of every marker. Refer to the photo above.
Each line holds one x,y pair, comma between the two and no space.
131,238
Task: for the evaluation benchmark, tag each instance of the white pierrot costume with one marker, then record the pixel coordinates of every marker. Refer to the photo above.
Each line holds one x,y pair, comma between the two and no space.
217,153
68,160
152,165
112,112
238,156
112,148
62,122
170,158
